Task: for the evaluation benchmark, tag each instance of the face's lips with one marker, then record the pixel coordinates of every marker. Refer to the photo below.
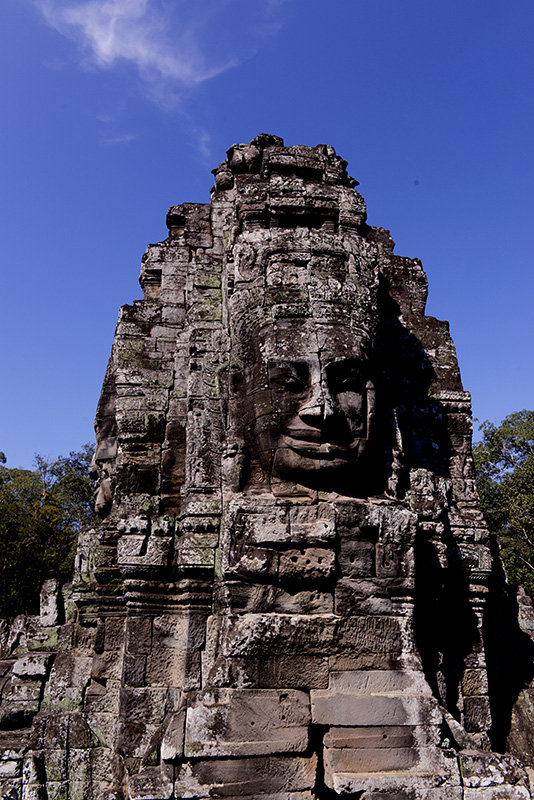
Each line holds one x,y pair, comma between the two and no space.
321,453
305,434
310,444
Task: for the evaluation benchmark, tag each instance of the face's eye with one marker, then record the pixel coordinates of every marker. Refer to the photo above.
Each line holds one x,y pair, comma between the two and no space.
346,377
287,379
349,383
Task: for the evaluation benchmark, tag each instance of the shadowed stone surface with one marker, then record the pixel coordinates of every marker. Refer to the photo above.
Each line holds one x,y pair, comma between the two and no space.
292,593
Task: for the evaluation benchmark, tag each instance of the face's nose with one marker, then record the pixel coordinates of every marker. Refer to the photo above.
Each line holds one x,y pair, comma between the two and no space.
318,406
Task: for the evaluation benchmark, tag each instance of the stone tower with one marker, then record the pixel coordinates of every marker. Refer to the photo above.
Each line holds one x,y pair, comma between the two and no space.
292,594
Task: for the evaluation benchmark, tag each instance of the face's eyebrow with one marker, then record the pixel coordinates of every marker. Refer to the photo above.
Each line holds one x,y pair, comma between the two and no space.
293,363
352,361
296,370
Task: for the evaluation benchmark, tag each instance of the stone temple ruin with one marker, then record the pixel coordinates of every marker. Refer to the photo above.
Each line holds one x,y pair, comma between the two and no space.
292,594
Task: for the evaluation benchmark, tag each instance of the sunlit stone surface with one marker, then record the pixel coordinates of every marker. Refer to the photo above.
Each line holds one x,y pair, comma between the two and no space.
292,594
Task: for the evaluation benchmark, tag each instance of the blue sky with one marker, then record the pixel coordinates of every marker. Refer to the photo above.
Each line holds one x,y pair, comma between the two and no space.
112,110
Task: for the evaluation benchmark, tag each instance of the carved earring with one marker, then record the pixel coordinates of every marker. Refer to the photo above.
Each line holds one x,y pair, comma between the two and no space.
371,402
397,466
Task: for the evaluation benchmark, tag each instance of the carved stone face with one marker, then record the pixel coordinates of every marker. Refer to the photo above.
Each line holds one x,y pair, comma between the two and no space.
309,401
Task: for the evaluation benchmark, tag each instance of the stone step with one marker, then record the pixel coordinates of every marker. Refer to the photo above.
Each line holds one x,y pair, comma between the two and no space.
380,759
413,784
382,736
359,710
379,681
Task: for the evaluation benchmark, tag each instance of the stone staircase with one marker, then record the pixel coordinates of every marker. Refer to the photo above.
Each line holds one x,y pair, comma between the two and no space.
384,734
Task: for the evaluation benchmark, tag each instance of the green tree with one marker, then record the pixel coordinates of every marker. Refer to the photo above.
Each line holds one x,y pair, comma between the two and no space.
42,512
505,476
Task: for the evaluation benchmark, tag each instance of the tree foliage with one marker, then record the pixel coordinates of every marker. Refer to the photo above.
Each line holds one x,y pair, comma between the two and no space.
505,476
41,513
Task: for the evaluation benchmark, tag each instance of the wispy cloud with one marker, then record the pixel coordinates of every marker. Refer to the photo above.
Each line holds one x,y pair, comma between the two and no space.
121,138
163,41
204,141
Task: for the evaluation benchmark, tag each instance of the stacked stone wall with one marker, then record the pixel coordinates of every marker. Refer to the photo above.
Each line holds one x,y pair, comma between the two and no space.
292,593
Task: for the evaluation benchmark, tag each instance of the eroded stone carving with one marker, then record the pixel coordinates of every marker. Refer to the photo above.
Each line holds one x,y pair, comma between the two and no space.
292,593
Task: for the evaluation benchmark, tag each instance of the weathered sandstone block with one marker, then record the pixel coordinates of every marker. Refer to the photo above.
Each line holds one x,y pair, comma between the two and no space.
292,593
